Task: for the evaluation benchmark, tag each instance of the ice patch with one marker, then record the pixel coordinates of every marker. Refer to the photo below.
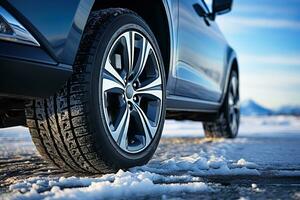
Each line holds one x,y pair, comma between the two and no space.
291,173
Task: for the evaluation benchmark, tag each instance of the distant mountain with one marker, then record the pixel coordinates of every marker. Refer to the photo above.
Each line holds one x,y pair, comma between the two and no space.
251,108
288,110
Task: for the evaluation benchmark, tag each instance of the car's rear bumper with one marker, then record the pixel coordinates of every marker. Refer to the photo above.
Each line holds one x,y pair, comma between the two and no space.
29,72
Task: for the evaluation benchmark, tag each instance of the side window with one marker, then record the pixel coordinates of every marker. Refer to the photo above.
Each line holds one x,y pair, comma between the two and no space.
208,4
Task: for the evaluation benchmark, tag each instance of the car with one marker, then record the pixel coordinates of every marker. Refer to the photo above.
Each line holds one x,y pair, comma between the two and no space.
94,80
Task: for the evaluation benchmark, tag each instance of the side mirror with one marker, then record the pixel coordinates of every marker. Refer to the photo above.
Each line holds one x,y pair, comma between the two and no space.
220,7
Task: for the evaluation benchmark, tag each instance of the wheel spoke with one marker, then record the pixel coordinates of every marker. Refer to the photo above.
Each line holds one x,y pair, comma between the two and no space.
109,84
121,130
234,85
145,49
237,105
231,111
153,89
234,122
114,74
152,84
155,93
149,130
231,99
130,41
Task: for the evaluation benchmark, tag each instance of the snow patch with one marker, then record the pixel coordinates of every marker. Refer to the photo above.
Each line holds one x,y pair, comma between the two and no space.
272,126
254,186
113,186
249,125
205,163
163,175
243,163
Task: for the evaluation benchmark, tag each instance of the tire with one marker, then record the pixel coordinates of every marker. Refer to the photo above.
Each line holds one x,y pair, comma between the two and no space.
80,128
227,124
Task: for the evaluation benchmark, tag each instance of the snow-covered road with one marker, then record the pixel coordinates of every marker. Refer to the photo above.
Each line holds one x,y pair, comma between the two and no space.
263,162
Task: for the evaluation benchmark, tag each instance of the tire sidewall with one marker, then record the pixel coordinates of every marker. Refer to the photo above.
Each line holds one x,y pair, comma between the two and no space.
227,108
104,141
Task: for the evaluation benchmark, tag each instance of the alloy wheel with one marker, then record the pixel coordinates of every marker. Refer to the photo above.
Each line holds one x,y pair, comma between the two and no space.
132,92
234,105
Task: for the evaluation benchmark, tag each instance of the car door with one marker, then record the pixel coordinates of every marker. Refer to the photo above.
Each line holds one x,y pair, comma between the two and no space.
201,53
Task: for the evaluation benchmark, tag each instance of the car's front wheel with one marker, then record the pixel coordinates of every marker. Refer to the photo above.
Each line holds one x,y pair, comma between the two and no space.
110,114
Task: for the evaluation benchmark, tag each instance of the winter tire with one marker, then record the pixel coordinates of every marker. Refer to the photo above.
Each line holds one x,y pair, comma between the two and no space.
110,114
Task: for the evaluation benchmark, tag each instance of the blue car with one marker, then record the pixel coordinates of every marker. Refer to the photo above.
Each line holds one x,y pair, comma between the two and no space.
94,80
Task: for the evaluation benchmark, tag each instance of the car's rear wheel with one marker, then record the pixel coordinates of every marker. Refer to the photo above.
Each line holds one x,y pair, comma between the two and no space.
110,114
227,124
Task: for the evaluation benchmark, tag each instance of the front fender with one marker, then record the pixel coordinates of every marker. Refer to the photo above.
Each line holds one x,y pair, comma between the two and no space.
231,58
57,25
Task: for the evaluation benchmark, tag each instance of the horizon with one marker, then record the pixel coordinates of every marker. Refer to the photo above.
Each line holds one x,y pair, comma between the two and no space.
269,108
265,35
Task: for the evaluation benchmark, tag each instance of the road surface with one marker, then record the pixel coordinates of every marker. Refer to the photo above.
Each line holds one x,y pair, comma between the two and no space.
263,162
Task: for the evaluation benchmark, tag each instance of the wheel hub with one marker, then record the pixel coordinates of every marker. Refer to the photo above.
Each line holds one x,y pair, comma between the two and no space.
129,91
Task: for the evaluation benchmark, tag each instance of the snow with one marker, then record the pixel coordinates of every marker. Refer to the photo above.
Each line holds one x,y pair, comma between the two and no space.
157,177
273,126
120,185
243,163
250,125
15,141
174,128
171,171
202,164
253,185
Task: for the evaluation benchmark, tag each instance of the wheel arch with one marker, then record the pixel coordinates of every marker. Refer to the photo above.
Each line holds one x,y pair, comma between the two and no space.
155,13
232,65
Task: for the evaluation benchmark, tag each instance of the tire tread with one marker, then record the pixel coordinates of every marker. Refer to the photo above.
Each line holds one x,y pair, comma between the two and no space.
59,124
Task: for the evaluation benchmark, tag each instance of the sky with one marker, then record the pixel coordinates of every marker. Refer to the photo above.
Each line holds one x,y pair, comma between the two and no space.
266,37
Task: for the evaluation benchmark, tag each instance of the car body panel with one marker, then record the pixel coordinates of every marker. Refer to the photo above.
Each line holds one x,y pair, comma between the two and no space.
62,33
30,71
200,57
171,7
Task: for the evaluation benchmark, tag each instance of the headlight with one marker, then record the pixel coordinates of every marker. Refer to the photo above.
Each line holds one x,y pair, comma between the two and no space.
12,30
5,28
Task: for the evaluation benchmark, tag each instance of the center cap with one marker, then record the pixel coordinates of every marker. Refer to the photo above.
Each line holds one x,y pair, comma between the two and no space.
129,91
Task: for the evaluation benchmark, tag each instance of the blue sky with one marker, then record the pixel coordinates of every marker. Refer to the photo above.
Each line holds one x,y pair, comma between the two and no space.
266,36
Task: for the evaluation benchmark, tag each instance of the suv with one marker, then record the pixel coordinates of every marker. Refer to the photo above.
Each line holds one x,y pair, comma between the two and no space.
94,80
